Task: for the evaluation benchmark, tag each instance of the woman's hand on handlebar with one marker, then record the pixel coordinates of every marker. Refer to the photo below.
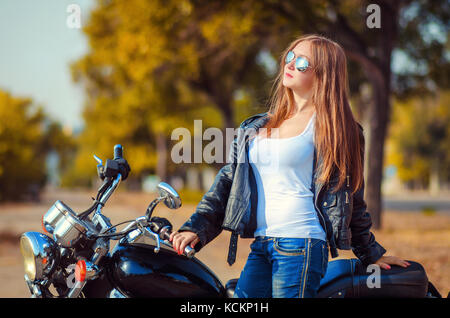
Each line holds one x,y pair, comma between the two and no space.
182,239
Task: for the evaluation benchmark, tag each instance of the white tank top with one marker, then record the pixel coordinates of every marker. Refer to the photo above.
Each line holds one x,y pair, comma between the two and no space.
283,173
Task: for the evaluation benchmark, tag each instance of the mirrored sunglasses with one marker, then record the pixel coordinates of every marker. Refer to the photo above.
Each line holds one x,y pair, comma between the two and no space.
301,63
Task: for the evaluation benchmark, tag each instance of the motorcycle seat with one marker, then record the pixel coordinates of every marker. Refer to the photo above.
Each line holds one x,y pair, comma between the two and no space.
349,278
337,270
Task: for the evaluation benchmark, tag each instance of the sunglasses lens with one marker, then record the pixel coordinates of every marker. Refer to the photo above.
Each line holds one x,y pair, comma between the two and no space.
289,57
301,64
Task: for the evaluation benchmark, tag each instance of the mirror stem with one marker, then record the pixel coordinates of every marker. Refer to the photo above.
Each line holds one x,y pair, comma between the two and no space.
152,206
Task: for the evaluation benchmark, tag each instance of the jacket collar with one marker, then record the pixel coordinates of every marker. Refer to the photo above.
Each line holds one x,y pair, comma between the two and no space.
258,121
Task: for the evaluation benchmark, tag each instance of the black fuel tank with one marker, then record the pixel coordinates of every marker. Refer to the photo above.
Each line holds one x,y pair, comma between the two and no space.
139,272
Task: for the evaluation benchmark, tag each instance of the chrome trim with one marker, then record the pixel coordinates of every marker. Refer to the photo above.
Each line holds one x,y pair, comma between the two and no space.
100,162
69,230
142,225
45,251
110,191
76,290
92,271
155,237
56,212
116,294
137,237
171,198
33,287
101,222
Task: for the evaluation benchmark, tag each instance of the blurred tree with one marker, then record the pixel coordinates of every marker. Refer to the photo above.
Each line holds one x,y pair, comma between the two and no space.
132,100
22,159
420,140
157,65
61,142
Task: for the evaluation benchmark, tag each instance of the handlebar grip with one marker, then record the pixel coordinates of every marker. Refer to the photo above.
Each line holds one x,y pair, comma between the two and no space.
118,152
165,234
189,251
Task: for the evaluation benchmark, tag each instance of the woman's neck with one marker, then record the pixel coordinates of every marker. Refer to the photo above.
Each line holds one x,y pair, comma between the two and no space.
302,104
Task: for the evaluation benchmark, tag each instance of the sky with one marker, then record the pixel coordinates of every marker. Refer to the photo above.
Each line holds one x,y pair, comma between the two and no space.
36,49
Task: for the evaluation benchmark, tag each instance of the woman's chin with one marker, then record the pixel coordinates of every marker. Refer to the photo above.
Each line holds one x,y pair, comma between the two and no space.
287,84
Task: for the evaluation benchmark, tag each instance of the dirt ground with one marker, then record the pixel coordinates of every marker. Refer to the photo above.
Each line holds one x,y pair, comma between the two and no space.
424,238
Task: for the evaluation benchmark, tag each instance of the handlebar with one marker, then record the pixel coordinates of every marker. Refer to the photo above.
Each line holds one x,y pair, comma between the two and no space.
159,229
165,235
163,228
118,152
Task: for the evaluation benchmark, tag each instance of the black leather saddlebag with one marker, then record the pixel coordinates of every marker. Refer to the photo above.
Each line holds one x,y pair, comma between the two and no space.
350,279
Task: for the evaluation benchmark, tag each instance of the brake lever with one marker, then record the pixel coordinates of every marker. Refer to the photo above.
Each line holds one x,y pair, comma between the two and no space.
142,224
157,239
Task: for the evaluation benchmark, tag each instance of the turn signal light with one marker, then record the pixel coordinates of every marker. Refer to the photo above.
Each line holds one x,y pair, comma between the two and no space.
80,271
42,224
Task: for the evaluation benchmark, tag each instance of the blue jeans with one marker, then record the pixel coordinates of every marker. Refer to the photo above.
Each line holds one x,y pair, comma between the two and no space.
283,268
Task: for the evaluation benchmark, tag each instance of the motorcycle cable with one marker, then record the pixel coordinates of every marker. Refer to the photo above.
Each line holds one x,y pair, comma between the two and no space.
115,236
112,235
100,192
114,226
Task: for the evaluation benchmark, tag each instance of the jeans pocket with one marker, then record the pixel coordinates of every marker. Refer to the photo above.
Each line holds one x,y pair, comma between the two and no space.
290,246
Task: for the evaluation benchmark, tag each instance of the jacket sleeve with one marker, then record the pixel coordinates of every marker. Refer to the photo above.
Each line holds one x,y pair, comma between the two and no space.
363,242
208,217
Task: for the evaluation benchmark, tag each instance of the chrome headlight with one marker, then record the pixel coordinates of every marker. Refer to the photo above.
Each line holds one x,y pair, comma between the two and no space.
40,255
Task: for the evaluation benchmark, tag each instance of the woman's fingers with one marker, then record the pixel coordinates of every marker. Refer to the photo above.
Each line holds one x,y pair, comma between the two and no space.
172,235
176,241
385,261
384,265
184,242
181,240
400,262
195,241
393,260
190,239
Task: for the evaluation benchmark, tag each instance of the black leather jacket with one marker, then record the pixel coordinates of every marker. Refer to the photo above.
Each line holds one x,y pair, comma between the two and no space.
231,201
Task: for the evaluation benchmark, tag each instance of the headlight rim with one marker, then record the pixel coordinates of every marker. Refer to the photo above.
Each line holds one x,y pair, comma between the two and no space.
44,253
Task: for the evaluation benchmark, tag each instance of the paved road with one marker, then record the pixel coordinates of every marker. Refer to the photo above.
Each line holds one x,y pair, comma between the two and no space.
417,203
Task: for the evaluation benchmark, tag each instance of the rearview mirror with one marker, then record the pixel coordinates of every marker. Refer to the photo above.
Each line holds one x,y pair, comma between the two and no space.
171,198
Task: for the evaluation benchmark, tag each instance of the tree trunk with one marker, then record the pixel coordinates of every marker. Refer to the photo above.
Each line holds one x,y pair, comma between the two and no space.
379,115
380,110
434,184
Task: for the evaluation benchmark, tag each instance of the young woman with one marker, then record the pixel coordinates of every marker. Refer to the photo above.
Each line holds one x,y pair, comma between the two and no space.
299,187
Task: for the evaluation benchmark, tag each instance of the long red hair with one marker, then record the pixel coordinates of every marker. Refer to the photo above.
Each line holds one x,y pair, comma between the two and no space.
338,139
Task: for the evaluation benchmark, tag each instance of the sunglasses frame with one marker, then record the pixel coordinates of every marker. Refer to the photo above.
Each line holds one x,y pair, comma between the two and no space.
299,61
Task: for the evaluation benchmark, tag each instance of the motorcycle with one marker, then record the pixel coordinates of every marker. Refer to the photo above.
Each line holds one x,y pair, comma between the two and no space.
73,257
